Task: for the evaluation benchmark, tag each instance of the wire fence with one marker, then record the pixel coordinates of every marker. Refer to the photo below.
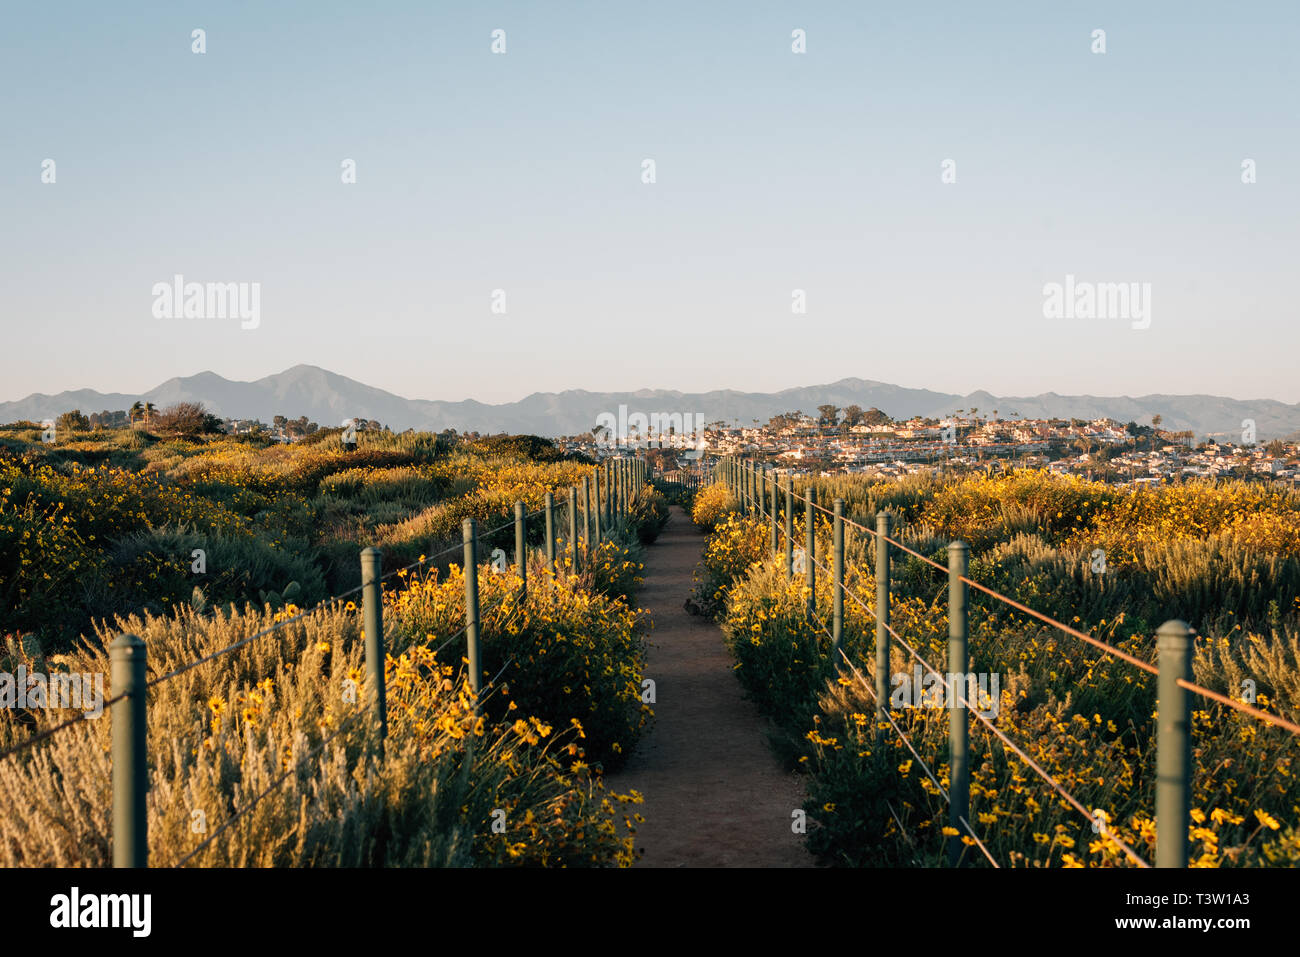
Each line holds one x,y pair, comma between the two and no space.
759,494
604,505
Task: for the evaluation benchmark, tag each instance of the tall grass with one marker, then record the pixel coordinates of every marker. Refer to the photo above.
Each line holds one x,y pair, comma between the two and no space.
222,733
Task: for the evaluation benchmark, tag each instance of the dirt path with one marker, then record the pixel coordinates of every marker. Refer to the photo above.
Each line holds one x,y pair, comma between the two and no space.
715,795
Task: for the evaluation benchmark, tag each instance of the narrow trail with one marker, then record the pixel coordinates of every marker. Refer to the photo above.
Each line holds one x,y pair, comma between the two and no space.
715,796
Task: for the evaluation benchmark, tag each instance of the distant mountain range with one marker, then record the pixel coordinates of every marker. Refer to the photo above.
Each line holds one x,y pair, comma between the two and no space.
328,398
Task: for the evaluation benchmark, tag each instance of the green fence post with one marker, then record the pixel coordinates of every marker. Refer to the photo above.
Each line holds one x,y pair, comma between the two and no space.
882,622
596,509
1173,743
789,527
958,757
573,527
550,533
810,551
586,518
776,538
469,531
837,567
521,547
372,600
130,762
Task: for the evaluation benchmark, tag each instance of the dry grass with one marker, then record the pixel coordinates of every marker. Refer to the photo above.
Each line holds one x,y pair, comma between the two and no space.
221,734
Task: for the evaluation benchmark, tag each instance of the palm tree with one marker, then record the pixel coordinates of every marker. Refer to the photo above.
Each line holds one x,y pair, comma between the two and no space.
136,409
149,408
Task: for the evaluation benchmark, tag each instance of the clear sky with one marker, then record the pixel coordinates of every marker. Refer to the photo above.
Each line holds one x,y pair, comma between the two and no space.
775,171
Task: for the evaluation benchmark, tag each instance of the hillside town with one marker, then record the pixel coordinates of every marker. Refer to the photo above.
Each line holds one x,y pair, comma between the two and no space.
871,443
844,441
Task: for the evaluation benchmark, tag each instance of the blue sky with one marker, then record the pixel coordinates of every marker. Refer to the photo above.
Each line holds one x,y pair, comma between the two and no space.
775,172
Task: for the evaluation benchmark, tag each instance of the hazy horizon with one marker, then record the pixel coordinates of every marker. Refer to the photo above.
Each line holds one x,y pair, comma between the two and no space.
631,388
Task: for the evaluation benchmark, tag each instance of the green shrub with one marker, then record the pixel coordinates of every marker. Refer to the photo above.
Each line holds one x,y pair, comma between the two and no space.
649,514
565,653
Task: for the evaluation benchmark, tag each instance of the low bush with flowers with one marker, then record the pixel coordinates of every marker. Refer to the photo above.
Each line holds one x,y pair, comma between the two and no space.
565,652
615,568
712,505
1084,717
736,545
649,514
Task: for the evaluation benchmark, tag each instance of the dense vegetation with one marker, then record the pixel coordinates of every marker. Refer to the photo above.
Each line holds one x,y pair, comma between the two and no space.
195,544
107,523
1114,563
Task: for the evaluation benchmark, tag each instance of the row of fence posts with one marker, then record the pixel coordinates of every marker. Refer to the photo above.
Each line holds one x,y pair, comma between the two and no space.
691,480
755,487
605,505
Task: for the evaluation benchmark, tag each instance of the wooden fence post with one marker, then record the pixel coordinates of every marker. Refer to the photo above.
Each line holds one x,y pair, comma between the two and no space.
775,535
1173,743
789,527
521,547
573,528
810,546
837,564
469,531
550,532
958,727
130,759
372,600
586,518
882,622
